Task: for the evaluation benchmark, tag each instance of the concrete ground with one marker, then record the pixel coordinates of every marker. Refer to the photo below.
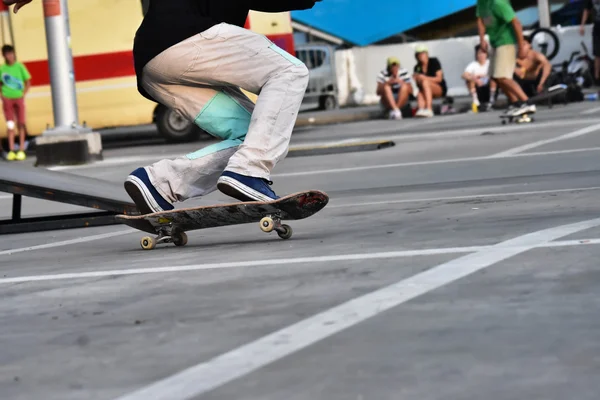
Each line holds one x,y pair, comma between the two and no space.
460,264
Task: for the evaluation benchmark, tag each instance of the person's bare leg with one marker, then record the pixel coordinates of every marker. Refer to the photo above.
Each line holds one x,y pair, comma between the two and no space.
421,100
426,89
405,92
471,87
22,137
512,89
11,140
436,92
388,98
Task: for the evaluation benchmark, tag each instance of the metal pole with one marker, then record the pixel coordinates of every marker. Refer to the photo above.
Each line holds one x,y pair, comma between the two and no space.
544,13
60,63
65,13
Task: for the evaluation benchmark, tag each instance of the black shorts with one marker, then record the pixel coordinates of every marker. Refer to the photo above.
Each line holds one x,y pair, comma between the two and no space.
529,86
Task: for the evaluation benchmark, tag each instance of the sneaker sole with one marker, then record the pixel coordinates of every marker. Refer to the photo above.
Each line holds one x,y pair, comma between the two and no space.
238,190
141,196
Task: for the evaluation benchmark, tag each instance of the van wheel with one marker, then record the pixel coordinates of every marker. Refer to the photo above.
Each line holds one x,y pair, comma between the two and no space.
327,103
174,127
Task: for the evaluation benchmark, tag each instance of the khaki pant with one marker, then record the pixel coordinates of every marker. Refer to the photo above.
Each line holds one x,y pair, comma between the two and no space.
200,78
503,61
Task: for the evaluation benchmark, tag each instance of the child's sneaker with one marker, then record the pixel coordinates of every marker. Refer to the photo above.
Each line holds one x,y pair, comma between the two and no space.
11,156
245,188
144,194
21,155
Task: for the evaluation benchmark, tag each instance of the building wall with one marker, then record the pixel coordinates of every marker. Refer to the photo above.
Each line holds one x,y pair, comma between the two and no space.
454,55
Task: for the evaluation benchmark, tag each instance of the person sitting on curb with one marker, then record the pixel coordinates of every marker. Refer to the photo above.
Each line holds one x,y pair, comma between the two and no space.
477,78
532,71
429,78
394,87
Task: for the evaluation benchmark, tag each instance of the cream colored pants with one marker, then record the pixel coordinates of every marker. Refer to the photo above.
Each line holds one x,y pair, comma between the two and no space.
200,78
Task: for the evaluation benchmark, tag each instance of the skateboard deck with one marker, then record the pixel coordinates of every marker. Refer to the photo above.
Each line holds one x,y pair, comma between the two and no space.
549,94
520,119
170,226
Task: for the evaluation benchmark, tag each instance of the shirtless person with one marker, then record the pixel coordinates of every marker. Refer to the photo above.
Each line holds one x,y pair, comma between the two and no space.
532,71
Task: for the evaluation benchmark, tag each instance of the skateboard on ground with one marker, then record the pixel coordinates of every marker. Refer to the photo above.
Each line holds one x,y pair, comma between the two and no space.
548,94
522,118
170,226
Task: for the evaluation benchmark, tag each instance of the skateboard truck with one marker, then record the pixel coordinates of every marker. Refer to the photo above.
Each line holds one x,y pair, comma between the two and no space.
179,238
272,223
523,118
165,235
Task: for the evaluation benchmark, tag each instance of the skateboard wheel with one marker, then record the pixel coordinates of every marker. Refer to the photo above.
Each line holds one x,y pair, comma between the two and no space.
180,239
148,243
267,224
285,232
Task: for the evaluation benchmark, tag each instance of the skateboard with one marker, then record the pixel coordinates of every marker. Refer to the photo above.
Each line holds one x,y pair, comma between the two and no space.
549,94
171,226
523,118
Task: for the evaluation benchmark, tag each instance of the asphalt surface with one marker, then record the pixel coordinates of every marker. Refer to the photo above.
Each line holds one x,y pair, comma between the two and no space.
462,263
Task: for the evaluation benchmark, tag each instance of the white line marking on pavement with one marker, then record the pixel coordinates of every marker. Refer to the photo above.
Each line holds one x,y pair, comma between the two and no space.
443,133
466,197
549,153
430,162
207,376
322,259
590,111
66,242
571,135
238,264
423,135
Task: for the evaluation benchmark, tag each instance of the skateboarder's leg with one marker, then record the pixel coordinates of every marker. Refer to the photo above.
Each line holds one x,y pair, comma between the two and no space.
281,80
236,57
231,57
504,61
195,174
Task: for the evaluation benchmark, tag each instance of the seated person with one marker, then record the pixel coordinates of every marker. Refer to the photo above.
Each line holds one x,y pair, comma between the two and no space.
394,87
476,75
429,78
532,72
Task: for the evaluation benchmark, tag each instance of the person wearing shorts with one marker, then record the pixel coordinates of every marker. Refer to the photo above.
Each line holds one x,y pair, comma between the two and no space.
593,6
15,81
497,18
477,79
429,77
395,88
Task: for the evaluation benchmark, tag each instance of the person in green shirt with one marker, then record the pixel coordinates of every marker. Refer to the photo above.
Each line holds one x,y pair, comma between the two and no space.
497,18
15,81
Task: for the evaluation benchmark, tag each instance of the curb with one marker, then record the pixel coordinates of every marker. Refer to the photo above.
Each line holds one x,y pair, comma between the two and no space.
303,151
360,115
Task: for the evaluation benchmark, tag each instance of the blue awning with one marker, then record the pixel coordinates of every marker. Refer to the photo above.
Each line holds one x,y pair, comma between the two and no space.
363,22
